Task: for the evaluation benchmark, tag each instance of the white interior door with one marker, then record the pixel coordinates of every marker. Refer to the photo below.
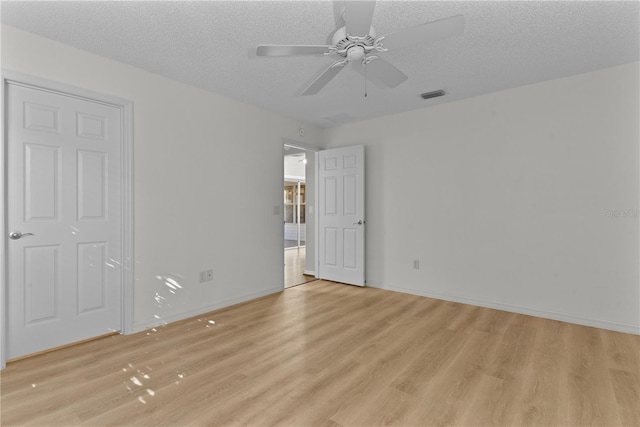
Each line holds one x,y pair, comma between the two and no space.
63,179
341,215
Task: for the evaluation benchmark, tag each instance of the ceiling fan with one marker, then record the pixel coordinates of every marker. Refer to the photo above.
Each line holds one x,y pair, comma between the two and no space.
357,41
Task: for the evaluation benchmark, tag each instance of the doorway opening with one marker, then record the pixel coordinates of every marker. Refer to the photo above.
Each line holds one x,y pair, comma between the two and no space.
299,174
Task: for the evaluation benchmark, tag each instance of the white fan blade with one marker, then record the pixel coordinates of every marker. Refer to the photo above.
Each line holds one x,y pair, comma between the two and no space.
425,33
288,50
358,16
385,73
322,80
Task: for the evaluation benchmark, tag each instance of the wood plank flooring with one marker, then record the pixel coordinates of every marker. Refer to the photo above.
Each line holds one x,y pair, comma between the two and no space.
326,354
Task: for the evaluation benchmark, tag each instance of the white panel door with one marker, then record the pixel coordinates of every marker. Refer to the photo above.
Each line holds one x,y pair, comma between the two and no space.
64,197
341,215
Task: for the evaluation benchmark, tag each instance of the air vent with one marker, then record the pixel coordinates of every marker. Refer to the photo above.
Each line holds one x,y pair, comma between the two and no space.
340,119
434,94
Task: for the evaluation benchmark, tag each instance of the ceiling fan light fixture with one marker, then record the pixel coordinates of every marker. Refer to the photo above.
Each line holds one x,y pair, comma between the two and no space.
355,53
432,94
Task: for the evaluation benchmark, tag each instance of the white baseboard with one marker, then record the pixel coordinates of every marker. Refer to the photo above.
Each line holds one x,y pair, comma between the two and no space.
310,273
152,323
628,328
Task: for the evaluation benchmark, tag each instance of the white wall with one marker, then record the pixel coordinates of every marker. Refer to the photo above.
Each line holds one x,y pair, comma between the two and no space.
525,199
187,192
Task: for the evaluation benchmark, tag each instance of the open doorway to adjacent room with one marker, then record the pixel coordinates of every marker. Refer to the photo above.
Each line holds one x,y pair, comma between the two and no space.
299,174
295,227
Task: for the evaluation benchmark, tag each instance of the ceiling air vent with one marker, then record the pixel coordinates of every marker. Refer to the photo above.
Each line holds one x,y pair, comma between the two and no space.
434,94
340,119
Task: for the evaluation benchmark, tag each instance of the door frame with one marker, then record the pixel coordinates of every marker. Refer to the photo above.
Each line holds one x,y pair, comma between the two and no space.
315,150
126,191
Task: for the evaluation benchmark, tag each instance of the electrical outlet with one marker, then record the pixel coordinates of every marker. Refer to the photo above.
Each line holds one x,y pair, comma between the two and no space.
203,276
416,264
209,275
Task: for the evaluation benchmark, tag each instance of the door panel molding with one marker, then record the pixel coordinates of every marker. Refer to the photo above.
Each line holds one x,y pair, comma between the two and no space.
341,218
126,191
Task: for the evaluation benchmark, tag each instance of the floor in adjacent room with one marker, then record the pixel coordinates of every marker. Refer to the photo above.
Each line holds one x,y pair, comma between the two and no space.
294,267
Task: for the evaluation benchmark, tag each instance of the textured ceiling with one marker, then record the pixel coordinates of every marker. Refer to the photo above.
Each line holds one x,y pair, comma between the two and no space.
211,45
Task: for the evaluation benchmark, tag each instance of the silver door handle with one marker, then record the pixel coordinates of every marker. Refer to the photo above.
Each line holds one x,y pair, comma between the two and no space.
360,222
15,235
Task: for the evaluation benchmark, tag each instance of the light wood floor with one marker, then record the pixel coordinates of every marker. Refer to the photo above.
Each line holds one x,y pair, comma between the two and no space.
327,354
294,266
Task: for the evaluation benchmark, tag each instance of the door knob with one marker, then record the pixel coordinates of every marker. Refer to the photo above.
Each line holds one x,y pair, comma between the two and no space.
360,222
15,235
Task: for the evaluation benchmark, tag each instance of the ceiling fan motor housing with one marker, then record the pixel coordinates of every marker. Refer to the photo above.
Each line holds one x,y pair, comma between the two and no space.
351,47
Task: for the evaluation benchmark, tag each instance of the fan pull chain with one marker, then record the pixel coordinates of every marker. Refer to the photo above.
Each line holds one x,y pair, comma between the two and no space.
365,81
